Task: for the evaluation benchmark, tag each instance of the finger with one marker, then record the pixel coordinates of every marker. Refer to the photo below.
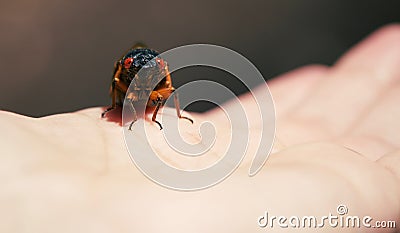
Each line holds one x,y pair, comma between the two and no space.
378,54
288,90
352,88
377,133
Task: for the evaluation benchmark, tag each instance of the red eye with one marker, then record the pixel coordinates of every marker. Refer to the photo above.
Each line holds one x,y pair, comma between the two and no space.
161,62
128,62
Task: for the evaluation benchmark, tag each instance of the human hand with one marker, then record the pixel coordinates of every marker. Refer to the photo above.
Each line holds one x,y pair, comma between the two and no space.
337,142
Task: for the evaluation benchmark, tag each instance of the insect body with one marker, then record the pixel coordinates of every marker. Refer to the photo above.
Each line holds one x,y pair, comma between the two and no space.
126,71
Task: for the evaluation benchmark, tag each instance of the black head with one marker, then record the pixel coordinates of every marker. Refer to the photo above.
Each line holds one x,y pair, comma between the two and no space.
137,59
151,66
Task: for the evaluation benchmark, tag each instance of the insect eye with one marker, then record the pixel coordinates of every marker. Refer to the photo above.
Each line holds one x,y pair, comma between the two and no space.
160,62
128,62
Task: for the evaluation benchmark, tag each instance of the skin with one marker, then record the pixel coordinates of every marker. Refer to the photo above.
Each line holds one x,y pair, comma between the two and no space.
337,142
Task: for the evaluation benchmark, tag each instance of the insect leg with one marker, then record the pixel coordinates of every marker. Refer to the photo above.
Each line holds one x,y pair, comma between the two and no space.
159,103
176,98
135,118
114,85
177,107
114,97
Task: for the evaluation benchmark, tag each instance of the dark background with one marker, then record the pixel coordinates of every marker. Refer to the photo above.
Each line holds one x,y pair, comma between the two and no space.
57,56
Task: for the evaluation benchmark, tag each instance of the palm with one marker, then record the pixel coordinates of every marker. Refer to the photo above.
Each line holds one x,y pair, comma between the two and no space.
71,172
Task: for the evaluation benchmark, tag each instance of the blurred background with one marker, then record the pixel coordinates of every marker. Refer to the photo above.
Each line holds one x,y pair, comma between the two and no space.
57,56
